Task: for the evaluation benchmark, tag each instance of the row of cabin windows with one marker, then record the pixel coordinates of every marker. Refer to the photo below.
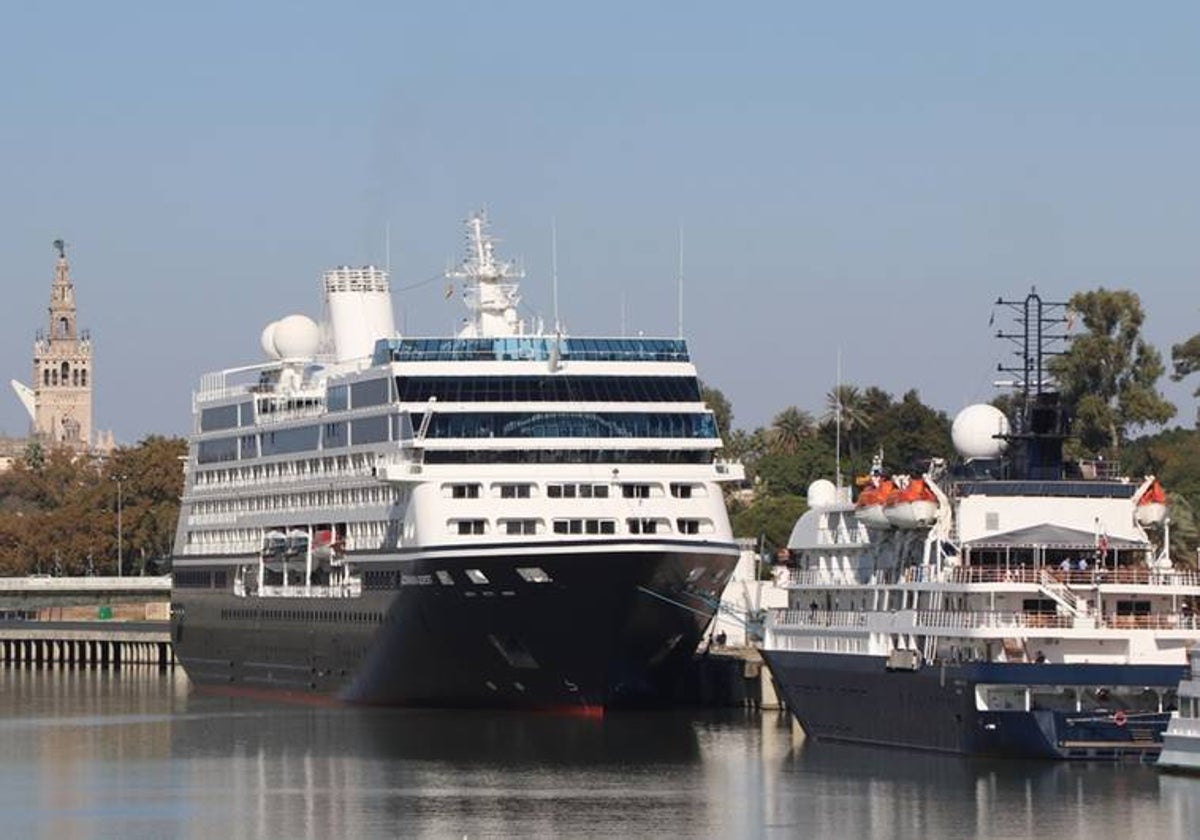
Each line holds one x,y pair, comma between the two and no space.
530,527
471,490
76,376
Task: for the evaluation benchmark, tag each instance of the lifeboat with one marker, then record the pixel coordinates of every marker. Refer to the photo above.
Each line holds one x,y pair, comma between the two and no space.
274,543
869,509
326,546
912,506
1152,505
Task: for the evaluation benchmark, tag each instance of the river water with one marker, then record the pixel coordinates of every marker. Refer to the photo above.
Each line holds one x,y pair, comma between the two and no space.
137,753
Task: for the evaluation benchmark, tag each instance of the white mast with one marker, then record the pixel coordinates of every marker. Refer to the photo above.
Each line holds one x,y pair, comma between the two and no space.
491,293
681,279
554,269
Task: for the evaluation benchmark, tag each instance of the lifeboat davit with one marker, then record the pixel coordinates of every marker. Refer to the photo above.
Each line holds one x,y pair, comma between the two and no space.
869,509
912,506
1152,506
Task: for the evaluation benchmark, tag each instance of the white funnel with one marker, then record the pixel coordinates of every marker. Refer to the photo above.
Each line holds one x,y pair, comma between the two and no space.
360,310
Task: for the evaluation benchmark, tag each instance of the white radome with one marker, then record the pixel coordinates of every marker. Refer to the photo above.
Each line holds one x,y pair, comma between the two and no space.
975,429
296,337
267,340
821,493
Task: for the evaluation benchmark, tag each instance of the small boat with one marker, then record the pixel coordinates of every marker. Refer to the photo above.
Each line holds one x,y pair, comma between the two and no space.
297,543
911,505
872,499
274,544
1181,740
327,548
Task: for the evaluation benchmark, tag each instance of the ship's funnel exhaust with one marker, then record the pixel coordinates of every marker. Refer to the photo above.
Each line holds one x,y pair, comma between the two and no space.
359,302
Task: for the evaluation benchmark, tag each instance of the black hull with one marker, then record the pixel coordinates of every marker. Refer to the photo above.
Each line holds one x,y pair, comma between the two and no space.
612,627
838,697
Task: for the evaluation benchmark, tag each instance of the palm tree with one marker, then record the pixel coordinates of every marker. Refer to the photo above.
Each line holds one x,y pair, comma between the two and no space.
789,429
851,404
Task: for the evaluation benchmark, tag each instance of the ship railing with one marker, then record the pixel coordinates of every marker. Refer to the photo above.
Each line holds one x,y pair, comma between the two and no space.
1123,576
800,578
817,618
967,620
1162,621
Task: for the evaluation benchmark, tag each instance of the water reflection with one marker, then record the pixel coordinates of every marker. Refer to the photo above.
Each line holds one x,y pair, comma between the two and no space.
137,754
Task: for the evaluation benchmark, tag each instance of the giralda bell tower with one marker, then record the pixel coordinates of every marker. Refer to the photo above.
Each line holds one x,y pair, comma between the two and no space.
62,368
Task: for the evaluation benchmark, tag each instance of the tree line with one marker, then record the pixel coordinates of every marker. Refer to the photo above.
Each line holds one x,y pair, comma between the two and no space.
58,509
1109,379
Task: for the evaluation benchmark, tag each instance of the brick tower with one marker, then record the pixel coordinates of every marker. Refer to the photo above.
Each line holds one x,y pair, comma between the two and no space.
62,368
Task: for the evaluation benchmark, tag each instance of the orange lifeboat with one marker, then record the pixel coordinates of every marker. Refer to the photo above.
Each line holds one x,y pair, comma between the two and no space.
912,506
1152,505
869,509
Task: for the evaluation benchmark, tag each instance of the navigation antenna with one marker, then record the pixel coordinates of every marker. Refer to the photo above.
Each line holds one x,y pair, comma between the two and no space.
1037,337
554,268
491,292
1040,421
680,279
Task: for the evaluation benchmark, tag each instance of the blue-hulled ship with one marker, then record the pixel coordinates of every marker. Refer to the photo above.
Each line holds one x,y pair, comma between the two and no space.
1011,603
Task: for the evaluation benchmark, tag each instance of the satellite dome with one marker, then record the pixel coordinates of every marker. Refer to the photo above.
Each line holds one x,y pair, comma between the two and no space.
821,493
975,431
267,339
295,337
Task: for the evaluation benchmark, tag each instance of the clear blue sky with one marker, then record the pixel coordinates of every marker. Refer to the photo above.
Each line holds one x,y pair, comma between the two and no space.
866,177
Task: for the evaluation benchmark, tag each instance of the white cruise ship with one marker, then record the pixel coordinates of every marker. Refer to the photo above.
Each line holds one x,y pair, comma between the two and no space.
503,517
1012,604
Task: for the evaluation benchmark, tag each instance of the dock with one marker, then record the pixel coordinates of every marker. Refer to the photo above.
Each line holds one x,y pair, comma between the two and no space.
86,621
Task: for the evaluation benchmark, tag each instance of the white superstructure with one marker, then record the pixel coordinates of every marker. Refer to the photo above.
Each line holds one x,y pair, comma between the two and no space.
314,468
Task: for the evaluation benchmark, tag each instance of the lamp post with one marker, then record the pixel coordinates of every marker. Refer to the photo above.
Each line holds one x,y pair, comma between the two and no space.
120,533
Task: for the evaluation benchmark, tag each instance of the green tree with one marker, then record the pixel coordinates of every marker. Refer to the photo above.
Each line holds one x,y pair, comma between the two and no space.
1185,360
850,404
1109,375
789,429
771,518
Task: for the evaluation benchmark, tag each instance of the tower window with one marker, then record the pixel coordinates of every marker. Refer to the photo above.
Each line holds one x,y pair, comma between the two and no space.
83,377
46,376
75,377
66,373
63,326
54,377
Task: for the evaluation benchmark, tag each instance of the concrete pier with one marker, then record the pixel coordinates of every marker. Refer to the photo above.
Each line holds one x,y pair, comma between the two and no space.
87,643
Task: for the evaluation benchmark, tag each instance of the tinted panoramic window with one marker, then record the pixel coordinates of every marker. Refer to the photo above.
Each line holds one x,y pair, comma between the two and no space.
221,417
284,441
338,398
334,436
548,388
572,425
370,392
215,451
370,430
